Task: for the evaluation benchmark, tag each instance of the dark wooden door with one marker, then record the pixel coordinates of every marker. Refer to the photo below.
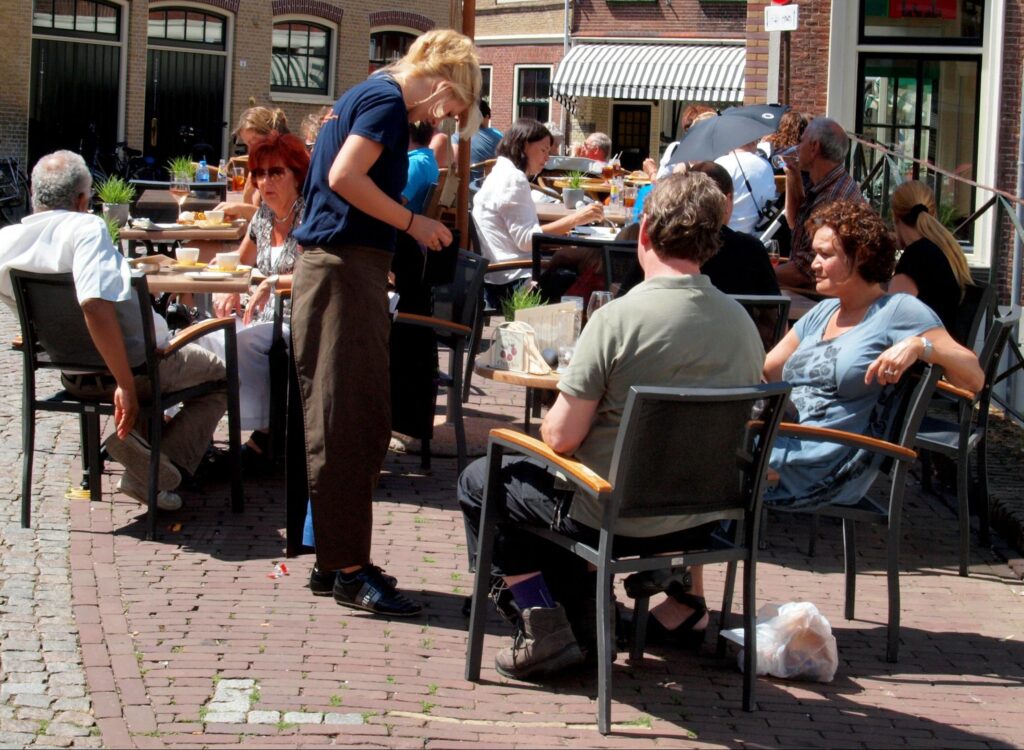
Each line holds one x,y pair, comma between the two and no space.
631,134
73,103
184,105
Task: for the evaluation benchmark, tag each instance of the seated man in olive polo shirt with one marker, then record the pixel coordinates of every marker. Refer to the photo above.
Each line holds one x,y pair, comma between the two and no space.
674,329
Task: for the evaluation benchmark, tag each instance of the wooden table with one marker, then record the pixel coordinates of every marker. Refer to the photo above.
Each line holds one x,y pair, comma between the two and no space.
176,282
525,379
161,241
159,205
548,212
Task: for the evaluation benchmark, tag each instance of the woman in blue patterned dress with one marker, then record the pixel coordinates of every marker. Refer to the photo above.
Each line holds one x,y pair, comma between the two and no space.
843,356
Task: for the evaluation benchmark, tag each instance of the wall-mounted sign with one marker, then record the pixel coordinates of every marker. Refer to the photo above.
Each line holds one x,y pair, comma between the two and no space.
781,17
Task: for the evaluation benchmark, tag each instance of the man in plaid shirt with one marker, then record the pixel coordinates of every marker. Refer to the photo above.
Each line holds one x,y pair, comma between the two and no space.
821,154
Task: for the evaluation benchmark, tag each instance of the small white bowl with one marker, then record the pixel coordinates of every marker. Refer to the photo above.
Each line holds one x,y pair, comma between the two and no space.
214,217
227,261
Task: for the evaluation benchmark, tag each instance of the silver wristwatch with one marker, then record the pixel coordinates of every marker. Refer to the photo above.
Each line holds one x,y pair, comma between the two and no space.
272,279
927,350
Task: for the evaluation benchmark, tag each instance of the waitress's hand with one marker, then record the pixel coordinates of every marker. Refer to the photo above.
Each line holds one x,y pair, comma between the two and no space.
588,214
650,168
226,304
433,234
894,361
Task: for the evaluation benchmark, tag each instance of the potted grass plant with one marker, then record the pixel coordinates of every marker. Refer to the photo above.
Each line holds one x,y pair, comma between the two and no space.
181,165
573,193
526,295
116,194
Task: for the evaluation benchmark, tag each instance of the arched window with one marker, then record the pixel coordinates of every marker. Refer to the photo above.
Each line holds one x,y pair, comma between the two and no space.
85,18
388,46
301,61
186,27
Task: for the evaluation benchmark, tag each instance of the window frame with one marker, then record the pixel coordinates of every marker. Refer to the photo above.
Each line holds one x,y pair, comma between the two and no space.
168,43
406,30
490,83
299,94
516,99
914,41
53,31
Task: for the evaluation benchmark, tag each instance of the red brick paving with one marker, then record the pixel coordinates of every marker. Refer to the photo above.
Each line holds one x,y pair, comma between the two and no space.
161,620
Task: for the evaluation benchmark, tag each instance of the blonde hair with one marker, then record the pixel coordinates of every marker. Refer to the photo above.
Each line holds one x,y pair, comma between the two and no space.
905,200
446,54
262,120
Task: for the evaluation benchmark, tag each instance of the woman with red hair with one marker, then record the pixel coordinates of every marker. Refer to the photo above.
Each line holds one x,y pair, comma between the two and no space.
277,164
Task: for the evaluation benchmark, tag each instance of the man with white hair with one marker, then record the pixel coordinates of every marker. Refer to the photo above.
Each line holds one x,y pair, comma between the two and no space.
61,236
821,154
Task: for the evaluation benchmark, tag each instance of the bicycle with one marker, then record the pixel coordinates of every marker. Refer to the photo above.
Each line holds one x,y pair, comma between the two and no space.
14,191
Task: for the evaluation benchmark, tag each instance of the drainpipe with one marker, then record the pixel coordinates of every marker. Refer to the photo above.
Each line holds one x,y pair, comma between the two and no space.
565,53
1015,280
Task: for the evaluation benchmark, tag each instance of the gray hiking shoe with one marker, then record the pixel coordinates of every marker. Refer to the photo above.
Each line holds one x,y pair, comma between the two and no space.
133,454
543,645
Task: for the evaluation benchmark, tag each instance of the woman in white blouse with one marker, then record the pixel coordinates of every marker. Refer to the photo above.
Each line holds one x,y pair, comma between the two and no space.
504,211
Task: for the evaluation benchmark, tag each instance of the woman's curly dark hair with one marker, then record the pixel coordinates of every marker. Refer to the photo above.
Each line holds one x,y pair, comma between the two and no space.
862,235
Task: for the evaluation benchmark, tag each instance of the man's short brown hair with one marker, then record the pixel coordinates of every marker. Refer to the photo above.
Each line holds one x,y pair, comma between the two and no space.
685,213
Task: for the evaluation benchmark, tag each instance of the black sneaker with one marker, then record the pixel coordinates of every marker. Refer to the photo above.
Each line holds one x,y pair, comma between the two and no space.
369,589
322,584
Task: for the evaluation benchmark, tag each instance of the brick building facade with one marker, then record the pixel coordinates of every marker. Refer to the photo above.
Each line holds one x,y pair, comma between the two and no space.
247,44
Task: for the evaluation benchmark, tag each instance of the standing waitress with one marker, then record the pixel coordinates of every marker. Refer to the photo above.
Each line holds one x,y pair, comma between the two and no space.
340,322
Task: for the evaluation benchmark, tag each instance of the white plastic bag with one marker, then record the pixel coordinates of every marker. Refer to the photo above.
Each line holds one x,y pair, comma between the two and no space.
794,640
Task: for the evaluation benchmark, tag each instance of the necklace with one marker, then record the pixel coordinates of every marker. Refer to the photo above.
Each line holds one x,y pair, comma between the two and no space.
288,215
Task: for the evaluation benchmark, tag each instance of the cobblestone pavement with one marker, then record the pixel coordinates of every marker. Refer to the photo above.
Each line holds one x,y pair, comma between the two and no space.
43,700
199,639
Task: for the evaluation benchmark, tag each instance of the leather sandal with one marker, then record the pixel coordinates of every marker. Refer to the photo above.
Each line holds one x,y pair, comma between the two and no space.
685,635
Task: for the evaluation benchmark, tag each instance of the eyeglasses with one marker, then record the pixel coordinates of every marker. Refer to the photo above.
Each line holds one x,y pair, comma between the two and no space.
274,173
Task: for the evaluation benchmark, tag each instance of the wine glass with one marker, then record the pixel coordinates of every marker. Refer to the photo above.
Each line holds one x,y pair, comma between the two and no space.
772,246
179,188
597,301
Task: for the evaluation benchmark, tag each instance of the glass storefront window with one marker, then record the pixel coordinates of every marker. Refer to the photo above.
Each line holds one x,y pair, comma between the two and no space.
300,58
945,21
79,18
388,46
924,108
182,27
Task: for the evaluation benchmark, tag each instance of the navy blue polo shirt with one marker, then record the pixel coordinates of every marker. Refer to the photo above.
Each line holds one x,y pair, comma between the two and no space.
373,109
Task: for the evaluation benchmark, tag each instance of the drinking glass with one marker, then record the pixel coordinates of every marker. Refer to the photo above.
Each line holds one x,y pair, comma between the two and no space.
772,246
597,301
578,319
179,188
238,179
629,197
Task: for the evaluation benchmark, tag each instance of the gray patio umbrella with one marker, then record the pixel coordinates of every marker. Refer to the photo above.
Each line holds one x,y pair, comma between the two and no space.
716,136
767,114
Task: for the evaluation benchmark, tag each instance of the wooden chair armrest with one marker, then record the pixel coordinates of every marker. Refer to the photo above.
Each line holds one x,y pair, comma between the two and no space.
436,323
195,331
509,265
962,393
576,471
828,435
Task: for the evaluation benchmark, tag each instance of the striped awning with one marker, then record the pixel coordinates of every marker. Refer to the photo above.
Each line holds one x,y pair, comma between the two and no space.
707,73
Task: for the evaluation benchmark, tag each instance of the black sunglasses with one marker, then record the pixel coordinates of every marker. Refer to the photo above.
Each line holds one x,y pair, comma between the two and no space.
274,173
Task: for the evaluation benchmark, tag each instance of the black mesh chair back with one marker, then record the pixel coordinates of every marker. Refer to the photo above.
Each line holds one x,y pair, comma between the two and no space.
454,321
548,244
457,302
770,314
619,262
55,336
714,474
975,310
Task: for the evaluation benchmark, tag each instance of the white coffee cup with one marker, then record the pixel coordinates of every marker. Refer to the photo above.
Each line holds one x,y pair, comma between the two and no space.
189,255
214,217
227,261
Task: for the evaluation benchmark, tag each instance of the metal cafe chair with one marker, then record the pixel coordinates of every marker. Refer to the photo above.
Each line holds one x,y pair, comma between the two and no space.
723,475
965,435
55,337
892,455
